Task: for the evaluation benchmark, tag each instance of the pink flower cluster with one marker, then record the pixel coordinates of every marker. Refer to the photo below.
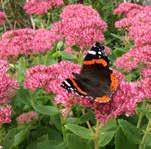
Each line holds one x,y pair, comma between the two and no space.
26,41
2,18
135,56
80,25
27,117
41,6
8,86
50,77
138,26
136,22
127,8
5,114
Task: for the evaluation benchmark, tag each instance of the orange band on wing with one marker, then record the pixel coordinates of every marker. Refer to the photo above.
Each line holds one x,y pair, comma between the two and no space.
103,99
114,82
77,87
97,61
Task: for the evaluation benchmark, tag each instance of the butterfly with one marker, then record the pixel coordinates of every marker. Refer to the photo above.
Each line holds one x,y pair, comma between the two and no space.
96,79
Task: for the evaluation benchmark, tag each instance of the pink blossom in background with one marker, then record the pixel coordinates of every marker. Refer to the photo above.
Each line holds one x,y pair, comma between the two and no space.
138,25
2,18
3,66
139,30
8,86
5,114
126,7
133,57
146,72
80,25
41,6
27,117
26,41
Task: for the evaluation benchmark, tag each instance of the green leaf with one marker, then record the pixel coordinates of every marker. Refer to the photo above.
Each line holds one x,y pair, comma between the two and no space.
59,45
20,136
15,137
147,141
21,99
107,133
72,120
67,56
118,52
46,110
9,138
74,142
121,142
45,143
132,133
53,134
80,131
117,36
55,119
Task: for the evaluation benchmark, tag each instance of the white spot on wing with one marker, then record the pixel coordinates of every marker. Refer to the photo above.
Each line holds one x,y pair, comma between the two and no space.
92,52
100,52
66,82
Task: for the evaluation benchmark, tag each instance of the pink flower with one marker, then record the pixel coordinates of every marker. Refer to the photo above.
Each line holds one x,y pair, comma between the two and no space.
26,41
138,27
8,86
27,117
50,77
80,25
126,8
5,114
146,72
135,56
2,18
138,24
3,66
41,6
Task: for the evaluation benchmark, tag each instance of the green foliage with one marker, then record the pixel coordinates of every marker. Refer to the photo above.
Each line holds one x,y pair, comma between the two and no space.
80,131
132,133
107,133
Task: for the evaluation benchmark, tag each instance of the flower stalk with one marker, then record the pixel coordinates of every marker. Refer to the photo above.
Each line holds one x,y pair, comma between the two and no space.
148,129
96,135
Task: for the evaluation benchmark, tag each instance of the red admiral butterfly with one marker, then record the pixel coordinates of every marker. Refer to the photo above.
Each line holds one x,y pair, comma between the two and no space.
95,80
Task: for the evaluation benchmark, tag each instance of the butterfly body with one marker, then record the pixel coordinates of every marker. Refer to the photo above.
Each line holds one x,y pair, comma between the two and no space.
96,79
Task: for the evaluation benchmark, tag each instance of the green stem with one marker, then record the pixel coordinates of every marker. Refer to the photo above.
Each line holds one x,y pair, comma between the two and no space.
141,115
140,120
88,123
142,145
7,20
32,22
46,58
96,135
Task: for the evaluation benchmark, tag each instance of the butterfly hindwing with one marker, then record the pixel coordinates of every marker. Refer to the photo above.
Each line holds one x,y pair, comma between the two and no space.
72,86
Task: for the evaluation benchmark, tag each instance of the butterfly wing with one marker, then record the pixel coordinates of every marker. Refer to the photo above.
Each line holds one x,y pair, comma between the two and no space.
96,71
95,78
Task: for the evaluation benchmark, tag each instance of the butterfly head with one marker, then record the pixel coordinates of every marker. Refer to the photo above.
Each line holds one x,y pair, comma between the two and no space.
97,51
